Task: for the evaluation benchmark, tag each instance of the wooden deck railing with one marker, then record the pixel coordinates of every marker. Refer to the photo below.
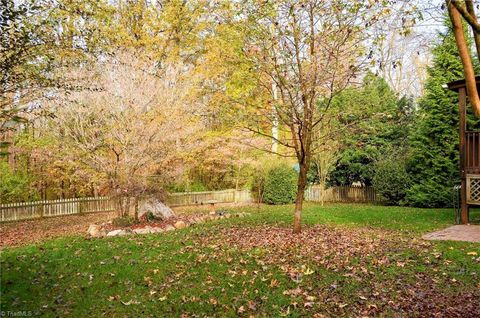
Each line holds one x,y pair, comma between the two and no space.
472,152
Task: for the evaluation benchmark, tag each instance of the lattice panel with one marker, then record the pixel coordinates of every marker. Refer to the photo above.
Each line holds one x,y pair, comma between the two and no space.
473,190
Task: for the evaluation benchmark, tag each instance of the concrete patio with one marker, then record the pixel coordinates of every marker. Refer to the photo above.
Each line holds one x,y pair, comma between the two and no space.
466,233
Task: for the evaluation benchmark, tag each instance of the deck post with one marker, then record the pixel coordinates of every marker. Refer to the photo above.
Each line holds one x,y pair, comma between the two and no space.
462,101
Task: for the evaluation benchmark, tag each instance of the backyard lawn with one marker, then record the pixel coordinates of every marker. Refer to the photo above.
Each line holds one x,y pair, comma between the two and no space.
349,260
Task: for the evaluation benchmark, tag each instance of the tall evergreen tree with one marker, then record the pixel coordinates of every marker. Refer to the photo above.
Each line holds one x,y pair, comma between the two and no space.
434,159
383,122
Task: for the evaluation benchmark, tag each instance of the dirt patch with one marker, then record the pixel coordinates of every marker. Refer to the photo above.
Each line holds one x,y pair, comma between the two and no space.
32,231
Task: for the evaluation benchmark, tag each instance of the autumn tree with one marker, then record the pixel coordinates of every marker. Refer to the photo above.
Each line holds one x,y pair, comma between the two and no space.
310,51
133,130
38,41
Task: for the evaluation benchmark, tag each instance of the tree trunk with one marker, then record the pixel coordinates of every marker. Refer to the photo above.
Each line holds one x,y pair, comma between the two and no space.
127,207
302,182
322,193
476,35
274,119
136,208
463,51
119,206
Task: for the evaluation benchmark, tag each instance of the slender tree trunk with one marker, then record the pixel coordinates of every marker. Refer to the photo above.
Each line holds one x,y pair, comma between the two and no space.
136,208
476,36
118,206
127,207
462,47
302,182
275,119
322,194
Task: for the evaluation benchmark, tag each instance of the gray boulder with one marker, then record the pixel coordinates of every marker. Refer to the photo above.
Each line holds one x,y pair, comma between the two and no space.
145,230
156,207
180,225
95,230
169,228
157,230
118,233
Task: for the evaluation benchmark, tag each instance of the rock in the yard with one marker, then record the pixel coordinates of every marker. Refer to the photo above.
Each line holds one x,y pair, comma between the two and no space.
95,230
145,230
180,225
158,209
118,233
157,230
169,228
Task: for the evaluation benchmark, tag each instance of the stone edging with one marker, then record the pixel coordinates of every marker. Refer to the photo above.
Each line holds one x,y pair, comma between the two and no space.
97,231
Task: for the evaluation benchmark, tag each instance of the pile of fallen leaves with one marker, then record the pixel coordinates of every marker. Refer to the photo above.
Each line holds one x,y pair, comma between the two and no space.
362,257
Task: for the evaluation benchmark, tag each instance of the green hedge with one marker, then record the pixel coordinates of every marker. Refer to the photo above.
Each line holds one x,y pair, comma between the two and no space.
391,181
280,185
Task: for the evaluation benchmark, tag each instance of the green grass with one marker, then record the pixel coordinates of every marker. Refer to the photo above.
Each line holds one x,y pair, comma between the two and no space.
388,217
202,271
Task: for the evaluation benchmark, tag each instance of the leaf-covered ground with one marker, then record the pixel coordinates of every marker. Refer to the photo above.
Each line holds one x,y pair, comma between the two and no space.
32,231
350,260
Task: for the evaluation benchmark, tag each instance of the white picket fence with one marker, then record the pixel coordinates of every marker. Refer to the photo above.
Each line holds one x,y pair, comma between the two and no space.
194,198
341,194
49,208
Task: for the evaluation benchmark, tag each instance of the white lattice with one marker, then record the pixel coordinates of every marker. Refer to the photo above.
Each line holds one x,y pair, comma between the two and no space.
474,189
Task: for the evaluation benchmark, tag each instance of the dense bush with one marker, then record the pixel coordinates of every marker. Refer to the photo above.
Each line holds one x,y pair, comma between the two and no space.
280,185
391,181
431,194
15,186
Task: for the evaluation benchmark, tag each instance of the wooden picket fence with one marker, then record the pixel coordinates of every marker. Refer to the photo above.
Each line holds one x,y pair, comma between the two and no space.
194,198
49,208
341,194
